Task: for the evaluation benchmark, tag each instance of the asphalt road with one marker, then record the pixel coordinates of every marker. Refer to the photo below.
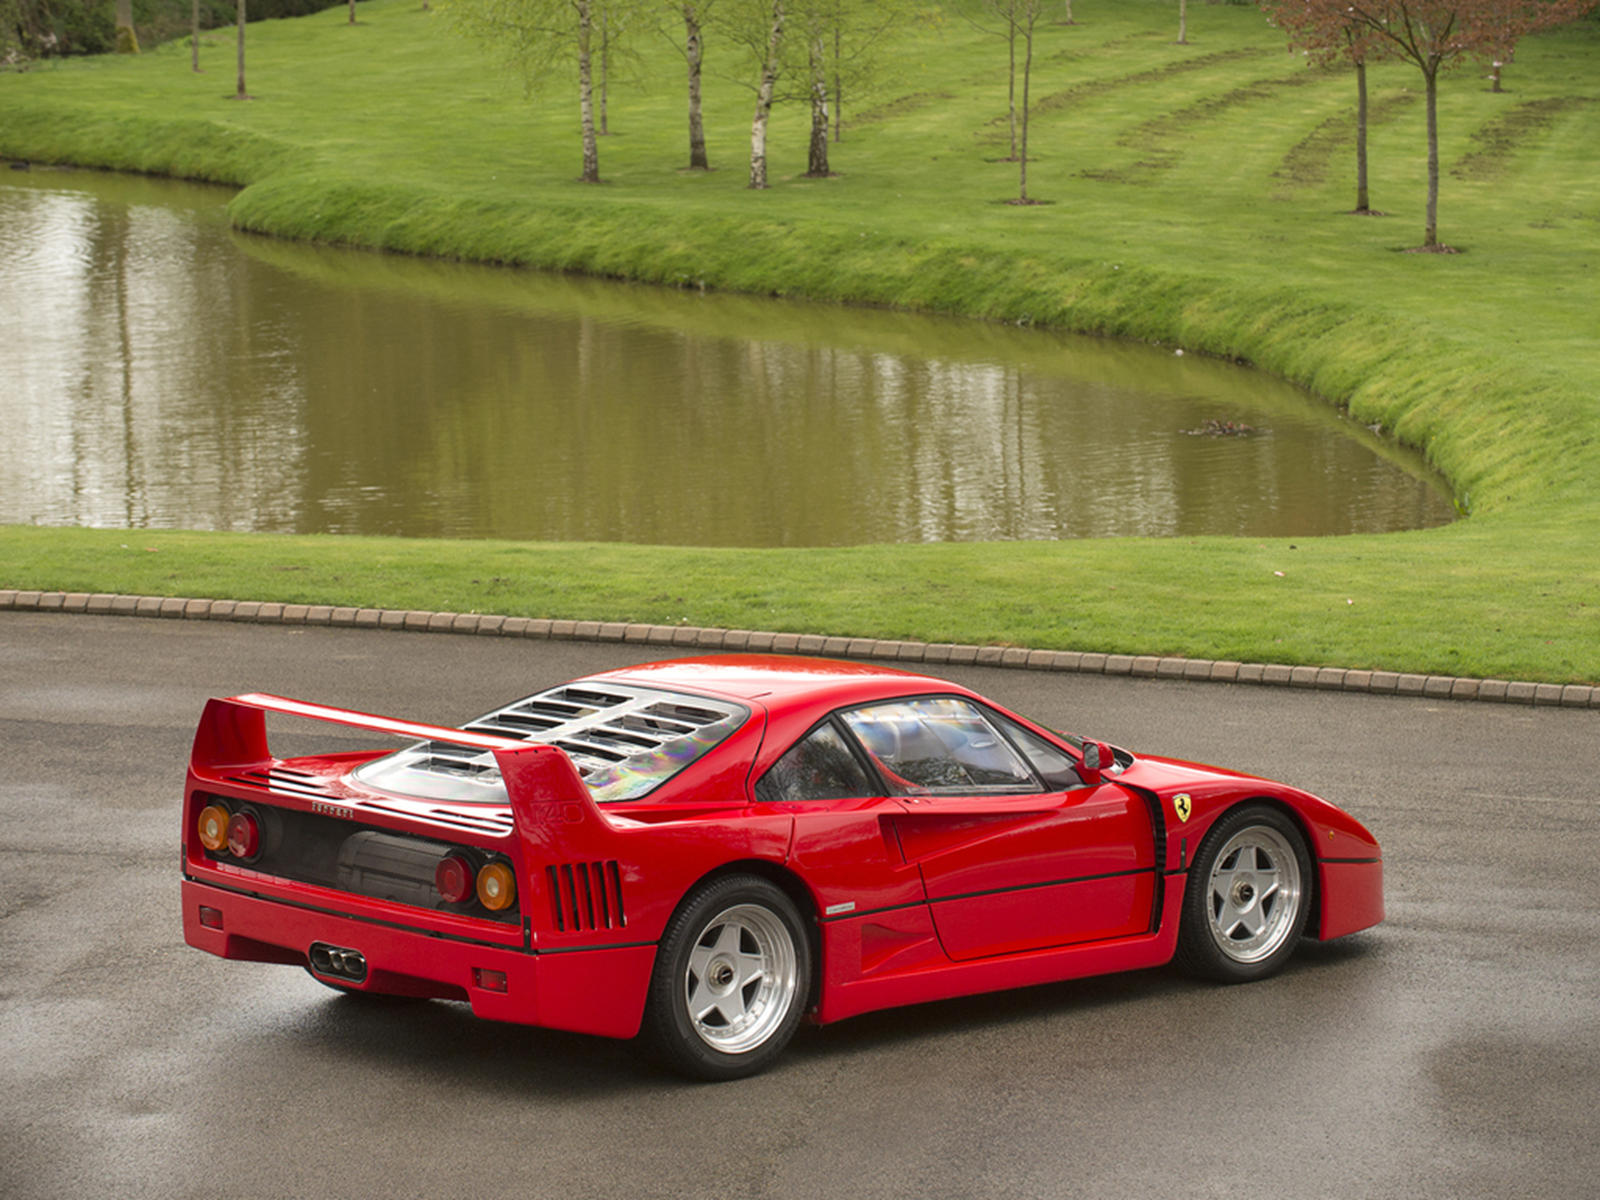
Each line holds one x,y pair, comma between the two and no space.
1452,1052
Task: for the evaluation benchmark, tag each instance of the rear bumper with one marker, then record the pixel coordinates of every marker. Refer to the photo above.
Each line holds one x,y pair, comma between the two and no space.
600,991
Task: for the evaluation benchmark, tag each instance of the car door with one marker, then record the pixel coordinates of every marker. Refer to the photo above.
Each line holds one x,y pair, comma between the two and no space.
1015,853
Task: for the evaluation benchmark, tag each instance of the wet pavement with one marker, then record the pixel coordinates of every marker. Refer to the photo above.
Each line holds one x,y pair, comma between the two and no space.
1452,1052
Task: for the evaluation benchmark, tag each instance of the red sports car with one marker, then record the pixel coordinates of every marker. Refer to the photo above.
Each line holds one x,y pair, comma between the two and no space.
707,851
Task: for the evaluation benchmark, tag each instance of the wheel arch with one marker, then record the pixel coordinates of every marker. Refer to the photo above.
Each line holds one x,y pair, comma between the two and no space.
1285,808
786,881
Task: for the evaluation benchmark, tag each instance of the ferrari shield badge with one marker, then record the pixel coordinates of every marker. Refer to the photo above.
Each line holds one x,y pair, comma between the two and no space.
1181,805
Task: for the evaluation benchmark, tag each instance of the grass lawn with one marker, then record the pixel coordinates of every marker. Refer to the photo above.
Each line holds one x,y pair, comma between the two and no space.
1193,195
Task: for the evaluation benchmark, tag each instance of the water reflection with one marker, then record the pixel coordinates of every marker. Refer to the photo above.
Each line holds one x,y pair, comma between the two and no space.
161,371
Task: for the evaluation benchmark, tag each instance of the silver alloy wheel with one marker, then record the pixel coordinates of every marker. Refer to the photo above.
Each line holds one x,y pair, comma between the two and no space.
1254,894
742,978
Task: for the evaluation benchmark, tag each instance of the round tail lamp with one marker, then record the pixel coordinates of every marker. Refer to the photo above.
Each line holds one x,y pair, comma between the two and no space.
244,835
497,887
453,878
214,827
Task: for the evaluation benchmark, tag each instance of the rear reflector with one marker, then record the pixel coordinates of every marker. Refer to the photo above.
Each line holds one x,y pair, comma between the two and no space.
211,918
489,981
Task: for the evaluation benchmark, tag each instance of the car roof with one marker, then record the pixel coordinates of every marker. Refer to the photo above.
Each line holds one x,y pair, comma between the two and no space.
779,681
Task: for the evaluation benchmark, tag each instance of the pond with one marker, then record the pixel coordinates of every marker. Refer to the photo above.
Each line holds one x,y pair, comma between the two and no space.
159,370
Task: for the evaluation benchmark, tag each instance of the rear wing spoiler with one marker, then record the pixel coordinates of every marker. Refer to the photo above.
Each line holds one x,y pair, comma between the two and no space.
550,803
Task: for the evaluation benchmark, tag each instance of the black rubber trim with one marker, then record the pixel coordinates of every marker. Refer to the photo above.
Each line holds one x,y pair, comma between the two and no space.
1027,887
1030,887
1158,831
446,937
348,916
590,949
1357,861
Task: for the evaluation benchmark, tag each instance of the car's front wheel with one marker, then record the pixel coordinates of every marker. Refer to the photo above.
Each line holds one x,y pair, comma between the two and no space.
1248,897
731,979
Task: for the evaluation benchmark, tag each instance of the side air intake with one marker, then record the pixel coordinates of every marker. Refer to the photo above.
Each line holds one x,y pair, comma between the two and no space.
586,896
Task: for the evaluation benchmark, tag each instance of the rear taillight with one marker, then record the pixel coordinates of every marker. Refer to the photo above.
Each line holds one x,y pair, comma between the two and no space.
213,827
244,836
497,887
453,878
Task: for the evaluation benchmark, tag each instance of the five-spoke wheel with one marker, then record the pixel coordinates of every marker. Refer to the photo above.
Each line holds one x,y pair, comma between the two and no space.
731,979
1247,900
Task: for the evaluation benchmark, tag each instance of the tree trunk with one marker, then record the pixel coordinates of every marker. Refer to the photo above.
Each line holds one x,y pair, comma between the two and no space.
1430,75
1069,20
1362,204
352,12
817,159
769,80
692,52
838,85
591,152
605,68
127,39
1183,22
241,94
194,36
1011,75
1027,75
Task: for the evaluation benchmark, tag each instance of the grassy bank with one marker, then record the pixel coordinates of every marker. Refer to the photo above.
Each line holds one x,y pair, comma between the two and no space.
1195,196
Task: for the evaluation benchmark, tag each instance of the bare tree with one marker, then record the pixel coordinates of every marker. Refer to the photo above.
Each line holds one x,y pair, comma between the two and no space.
241,94
856,35
1434,35
771,65
760,29
693,15
1028,13
1326,34
532,36
999,18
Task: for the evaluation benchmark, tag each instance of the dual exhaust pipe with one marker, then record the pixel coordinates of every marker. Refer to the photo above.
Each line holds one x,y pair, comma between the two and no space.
337,962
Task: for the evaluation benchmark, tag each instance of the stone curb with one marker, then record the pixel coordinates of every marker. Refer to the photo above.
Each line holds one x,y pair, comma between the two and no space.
689,637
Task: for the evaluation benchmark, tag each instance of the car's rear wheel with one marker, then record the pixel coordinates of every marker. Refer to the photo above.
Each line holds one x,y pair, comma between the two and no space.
1248,897
731,979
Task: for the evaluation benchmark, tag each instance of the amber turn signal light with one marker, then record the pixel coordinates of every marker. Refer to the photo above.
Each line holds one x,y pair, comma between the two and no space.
497,887
214,827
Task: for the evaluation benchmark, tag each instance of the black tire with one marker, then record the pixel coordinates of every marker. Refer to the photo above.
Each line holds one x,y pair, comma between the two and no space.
737,948
1248,898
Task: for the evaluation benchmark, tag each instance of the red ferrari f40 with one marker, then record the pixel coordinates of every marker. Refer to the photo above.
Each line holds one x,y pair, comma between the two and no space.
706,852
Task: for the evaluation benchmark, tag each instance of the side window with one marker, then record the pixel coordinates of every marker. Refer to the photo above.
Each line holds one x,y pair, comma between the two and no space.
818,767
938,745
1055,766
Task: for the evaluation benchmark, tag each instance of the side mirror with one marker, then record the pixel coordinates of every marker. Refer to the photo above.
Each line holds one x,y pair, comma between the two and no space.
1097,758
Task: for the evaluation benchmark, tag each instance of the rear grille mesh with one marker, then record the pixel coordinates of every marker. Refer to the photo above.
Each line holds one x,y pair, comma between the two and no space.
586,896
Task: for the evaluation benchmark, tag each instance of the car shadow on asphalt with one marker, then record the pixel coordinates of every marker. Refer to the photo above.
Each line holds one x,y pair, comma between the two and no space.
491,1058
1089,1006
